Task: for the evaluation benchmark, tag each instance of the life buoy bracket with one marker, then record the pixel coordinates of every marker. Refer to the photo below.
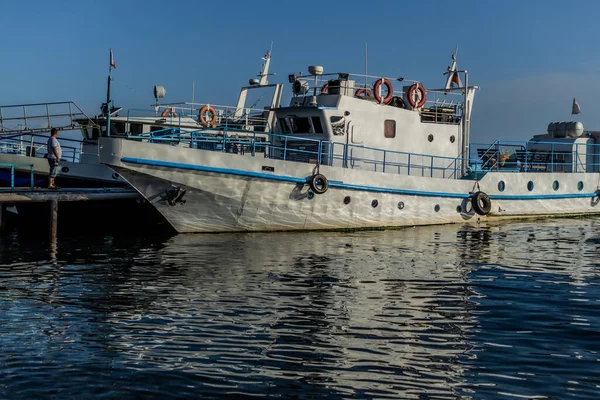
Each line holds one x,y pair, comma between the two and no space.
361,91
377,91
414,91
207,111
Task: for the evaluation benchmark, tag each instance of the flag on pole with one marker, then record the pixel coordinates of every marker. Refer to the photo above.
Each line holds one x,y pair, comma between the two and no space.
112,61
456,79
575,109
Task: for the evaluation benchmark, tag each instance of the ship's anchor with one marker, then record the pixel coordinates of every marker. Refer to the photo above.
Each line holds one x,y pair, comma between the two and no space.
175,195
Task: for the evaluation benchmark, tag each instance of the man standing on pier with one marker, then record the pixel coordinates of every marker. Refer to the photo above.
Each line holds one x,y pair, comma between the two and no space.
54,155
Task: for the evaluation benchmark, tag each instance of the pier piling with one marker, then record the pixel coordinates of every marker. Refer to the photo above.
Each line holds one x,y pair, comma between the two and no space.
53,219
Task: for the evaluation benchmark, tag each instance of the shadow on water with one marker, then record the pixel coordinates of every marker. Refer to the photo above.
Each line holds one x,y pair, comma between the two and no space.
426,313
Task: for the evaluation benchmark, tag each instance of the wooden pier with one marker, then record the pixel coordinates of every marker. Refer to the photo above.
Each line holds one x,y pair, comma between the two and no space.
12,196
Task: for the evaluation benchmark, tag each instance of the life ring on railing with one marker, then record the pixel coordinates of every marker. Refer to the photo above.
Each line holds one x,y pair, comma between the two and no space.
481,203
169,112
360,91
324,88
207,111
318,183
416,95
377,90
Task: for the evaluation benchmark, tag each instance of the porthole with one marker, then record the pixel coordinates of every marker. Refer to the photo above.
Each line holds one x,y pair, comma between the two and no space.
400,205
580,186
458,209
65,169
437,208
501,186
115,176
555,185
530,186
374,203
452,139
311,195
347,200
430,137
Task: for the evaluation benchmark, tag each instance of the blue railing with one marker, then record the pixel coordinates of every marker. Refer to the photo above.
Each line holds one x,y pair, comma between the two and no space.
536,156
302,149
12,173
509,156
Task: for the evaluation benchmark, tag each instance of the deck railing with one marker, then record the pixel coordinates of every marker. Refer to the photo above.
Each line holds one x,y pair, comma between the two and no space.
12,173
536,156
442,105
39,117
184,113
314,151
35,145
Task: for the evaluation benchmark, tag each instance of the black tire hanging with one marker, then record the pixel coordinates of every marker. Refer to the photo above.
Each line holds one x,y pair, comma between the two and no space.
318,183
481,203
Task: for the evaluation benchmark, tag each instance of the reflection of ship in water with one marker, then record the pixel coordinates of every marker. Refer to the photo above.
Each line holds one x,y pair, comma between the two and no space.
365,314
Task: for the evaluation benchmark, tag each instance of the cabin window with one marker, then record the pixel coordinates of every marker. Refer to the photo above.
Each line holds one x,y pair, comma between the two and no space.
156,128
135,129
117,128
95,134
285,127
299,125
317,126
389,128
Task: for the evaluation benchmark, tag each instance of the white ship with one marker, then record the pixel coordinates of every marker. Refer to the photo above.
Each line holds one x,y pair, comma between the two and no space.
353,151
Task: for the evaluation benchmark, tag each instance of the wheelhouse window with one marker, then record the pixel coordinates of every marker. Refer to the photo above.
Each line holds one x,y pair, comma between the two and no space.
135,129
299,125
389,128
317,126
118,128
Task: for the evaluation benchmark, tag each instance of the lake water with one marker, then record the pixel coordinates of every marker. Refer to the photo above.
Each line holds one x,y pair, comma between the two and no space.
490,312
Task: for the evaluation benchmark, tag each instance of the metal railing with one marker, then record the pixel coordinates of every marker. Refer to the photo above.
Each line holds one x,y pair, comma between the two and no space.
536,156
12,173
185,113
34,145
300,149
39,117
442,106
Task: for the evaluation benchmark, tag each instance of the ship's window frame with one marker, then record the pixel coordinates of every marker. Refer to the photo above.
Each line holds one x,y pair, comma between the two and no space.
285,126
134,132
317,125
389,128
296,128
118,127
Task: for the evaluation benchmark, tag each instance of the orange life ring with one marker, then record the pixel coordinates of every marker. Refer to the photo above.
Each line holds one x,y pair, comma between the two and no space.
207,110
377,88
360,91
412,92
169,112
324,88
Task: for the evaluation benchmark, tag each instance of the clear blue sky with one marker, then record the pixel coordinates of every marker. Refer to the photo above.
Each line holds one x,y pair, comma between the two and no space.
530,57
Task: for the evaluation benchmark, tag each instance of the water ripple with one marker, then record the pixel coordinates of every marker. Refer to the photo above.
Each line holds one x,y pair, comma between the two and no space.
495,312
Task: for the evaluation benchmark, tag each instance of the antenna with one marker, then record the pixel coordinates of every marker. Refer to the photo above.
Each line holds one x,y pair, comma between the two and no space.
193,92
366,71
264,72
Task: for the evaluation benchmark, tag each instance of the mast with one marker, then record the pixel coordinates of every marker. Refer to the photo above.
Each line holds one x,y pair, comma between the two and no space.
110,66
264,72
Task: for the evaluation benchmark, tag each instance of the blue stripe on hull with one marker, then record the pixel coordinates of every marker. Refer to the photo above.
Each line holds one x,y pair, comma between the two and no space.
341,185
